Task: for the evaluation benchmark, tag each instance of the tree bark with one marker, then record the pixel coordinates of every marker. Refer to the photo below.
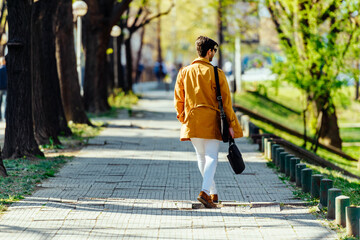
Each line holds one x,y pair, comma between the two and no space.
48,113
99,20
220,33
19,134
66,65
304,122
330,132
137,23
110,69
158,35
357,86
3,172
96,38
138,58
95,82
3,22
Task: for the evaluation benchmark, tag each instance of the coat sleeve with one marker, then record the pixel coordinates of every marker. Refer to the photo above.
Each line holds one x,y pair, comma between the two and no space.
179,97
226,97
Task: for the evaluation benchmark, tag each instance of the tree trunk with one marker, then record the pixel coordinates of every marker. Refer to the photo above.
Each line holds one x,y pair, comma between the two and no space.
19,134
158,35
129,65
48,113
66,65
138,59
159,75
304,122
357,86
96,39
3,172
220,33
101,17
110,59
3,22
329,133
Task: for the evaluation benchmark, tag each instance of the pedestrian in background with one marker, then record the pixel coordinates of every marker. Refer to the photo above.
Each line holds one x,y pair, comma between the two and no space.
197,109
3,87
160,72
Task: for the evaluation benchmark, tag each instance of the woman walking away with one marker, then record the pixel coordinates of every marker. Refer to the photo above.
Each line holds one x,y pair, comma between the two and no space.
197,109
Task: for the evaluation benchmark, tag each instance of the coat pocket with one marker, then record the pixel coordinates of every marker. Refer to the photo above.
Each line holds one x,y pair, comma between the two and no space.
205,121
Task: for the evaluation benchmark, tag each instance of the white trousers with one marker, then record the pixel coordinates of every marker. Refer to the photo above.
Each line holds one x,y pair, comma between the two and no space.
207,155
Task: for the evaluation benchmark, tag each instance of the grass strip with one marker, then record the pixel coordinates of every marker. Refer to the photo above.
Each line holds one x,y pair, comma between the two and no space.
348,186
24,175
274,109
118,100
350,166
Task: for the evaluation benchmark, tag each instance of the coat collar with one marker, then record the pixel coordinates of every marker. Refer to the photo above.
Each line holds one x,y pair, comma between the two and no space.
201,60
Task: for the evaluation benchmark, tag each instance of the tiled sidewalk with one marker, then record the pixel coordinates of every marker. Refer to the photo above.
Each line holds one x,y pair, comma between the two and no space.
136,180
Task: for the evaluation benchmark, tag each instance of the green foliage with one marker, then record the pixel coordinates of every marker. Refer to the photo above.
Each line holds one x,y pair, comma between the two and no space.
350,134
348,165
179,31
122,100
349,187
316,39
262,90
81,131
298,193
279,92
51,145
290,97
315,51
24,175
270,110
239,18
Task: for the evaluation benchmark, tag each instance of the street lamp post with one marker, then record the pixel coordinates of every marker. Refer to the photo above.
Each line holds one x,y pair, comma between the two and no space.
115,32
79,9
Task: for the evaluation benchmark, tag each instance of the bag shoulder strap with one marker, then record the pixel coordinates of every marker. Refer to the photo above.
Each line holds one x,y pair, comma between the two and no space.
218,92
219,99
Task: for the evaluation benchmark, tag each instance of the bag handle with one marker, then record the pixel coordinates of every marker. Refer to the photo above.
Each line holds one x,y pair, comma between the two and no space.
231,140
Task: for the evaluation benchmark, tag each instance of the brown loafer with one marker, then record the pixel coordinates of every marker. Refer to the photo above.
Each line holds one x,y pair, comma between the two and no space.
206,200
214,198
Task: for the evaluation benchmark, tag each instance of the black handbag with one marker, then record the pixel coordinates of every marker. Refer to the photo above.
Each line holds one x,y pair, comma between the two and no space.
224,126
235,157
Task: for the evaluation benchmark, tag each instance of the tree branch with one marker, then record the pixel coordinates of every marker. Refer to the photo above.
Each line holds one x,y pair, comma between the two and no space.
326,14
277,26
289,17
132,30
347,47
137,17
118,10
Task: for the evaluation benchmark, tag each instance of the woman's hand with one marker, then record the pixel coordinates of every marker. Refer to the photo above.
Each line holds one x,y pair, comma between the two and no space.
231,131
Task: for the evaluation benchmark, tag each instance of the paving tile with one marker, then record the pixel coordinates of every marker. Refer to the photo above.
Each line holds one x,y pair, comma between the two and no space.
142,184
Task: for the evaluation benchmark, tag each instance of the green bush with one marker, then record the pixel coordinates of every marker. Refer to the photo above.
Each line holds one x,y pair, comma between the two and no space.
122,100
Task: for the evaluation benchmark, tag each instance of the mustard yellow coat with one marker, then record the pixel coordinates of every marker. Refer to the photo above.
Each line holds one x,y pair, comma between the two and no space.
196,105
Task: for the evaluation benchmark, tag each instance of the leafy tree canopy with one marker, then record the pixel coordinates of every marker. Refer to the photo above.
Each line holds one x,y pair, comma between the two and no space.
316,37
